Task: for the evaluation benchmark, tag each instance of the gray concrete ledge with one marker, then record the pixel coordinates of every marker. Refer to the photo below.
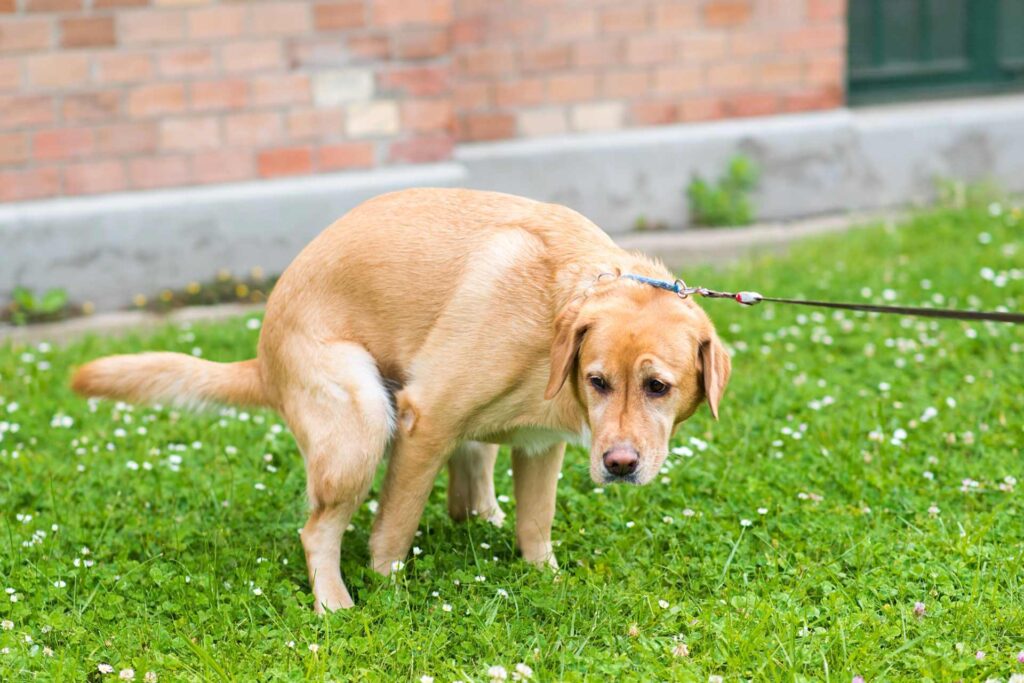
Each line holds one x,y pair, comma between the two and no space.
677,249
106,249
817,163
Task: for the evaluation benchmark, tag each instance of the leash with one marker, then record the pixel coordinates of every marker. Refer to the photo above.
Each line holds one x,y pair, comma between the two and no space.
683,291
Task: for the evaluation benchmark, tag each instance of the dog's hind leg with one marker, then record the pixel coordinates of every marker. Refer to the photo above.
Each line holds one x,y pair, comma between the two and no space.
471,483
341,415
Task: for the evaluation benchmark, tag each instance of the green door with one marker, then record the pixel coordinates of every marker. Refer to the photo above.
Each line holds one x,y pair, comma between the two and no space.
908,49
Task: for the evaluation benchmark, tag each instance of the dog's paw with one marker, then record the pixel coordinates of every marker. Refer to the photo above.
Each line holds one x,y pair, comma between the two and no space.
541,557
495,516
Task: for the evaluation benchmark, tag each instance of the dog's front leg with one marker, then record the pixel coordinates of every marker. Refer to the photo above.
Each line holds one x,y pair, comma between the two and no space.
415,462
536,484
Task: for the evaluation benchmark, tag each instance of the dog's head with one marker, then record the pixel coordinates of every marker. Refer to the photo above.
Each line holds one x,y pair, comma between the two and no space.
640,361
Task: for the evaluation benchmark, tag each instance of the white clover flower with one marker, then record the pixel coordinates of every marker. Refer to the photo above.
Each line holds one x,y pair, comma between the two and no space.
522,672
127,675
663,604
313,647
105,668
497,673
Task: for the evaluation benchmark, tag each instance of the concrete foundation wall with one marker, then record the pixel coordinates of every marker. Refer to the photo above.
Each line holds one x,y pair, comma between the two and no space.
106,249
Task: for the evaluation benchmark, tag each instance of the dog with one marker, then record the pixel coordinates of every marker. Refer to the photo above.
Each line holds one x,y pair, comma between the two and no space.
434,324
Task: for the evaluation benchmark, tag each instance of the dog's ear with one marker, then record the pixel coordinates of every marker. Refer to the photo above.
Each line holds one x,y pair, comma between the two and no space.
715,366
570,328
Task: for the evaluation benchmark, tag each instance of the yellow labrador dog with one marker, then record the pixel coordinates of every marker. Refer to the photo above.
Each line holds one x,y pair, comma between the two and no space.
435,324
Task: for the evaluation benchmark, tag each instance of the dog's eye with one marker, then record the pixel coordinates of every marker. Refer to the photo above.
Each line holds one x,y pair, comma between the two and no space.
656,387
598,383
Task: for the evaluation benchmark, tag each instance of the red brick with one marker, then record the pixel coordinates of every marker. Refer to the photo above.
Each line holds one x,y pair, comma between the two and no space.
487,61
572,87
402,12
730,76
224,94
316,124
107,4
807,39
678,79
571,24
148,27
421,44
58,70
8,6
33,183
10,74
785,73
336,16
752,104
62,143
13,148
91,107
123,68
725,13
468,31
153,100
626,18
754,43
419,150
425,81
279,18
253,128
654,113
427,116
18,35
94,177
702,109
545,57
826,10
470,96
147,173
285,161
675,15
625,84
252,55
53,5
319,53
487,126
701,48
26,110
813,99
518,93
220,21
826,70
599,53
126,138
650,50
186,61
223,165
345,155
370,46
87,32
284,89
190,134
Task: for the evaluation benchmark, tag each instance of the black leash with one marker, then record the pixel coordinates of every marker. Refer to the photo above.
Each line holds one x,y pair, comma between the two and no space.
681,289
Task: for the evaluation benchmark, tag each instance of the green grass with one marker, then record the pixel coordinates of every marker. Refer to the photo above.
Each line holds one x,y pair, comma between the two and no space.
821,585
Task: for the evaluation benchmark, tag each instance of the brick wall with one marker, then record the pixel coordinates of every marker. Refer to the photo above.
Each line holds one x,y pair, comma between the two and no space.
110,95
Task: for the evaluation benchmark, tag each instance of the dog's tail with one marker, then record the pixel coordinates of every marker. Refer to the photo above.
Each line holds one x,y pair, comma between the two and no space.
171,378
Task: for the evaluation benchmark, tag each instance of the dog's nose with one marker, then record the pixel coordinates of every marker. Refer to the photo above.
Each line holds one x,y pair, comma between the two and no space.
621,460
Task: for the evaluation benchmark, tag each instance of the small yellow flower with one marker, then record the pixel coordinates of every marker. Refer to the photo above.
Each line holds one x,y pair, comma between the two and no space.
88,308
241,290
193,287
166,295
139,300
223,274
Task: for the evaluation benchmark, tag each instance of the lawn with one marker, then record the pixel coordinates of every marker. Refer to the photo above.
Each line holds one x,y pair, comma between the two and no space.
856,511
